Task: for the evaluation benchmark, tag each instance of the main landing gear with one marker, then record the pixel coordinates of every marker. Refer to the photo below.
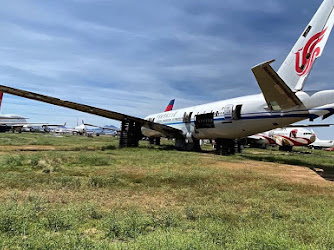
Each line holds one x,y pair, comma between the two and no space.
183,145
155,141
228,146
285,148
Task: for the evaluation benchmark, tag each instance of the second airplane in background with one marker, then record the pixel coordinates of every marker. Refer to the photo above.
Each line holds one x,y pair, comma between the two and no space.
285,138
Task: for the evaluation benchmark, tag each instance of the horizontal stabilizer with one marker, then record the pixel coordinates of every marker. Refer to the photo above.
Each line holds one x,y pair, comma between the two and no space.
328,115
277,94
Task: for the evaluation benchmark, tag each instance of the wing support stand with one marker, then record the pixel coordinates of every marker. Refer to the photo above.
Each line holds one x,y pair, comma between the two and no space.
130,134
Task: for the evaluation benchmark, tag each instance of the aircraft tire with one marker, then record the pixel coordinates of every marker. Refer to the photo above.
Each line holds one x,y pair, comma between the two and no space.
182,145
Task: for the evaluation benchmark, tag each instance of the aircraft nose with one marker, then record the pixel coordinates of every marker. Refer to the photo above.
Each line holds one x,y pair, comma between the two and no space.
313,137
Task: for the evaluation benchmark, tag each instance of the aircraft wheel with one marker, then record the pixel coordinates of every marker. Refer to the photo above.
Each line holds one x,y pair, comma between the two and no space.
227,147
182,145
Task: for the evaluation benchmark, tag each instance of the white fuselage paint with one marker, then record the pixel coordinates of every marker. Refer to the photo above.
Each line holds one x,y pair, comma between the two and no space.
323,143
255,117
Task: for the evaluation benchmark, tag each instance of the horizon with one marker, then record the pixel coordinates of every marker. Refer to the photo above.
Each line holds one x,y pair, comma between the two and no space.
134,58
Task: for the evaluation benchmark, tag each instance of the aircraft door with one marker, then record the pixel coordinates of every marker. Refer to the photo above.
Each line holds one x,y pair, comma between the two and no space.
187,117
187,122
228,112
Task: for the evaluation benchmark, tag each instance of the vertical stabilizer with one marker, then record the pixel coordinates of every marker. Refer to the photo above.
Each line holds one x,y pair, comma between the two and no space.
310,45
170,105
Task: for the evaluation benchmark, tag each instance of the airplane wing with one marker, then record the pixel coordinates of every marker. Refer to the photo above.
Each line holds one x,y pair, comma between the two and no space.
164,129
51,125
277,94
255,137
308,125
12,118
22,123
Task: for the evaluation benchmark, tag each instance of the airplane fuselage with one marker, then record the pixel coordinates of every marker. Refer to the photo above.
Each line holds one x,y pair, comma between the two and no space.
241,117
322,143
7,121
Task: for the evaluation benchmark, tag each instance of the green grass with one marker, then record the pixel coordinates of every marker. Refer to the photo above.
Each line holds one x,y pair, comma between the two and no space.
85,193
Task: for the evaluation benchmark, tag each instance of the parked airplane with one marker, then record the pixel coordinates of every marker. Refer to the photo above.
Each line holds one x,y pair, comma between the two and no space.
322,144
105,130
7,120
281,103
285,138
19,123
81,129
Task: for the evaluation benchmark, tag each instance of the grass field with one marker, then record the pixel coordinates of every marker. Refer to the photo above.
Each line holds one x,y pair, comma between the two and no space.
85,193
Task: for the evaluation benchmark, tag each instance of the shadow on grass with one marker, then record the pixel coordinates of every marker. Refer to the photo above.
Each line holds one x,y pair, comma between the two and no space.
316,164
325,172
167,147
76,149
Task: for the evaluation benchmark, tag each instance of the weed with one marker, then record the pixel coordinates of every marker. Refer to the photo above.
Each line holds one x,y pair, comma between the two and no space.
159,198
190,213
57,221
108,147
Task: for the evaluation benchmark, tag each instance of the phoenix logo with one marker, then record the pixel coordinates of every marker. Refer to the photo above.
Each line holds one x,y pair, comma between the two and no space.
305,56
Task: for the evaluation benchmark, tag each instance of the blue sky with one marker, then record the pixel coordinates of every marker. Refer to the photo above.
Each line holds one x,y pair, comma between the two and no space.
134,56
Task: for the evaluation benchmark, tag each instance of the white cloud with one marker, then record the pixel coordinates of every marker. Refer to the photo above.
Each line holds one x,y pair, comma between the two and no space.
133,57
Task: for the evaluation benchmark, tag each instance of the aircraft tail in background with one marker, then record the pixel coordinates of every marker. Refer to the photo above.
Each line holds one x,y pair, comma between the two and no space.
1,96
310,45
170,105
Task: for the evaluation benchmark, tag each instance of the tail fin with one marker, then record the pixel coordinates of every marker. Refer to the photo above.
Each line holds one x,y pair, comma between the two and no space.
310,45
1,95
170,105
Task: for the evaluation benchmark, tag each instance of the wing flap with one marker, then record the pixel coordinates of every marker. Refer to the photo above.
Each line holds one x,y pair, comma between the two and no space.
277,94
164,129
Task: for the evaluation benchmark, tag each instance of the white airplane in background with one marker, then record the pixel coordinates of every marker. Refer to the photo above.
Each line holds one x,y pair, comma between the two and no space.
81,129
6,120
281,103
100,127
285,138
322,144
19,123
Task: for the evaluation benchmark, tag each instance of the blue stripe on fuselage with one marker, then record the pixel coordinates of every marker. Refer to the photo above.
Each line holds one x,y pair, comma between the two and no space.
278,115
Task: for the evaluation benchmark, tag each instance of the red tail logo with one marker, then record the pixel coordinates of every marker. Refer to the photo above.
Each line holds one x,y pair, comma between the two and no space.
305,56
